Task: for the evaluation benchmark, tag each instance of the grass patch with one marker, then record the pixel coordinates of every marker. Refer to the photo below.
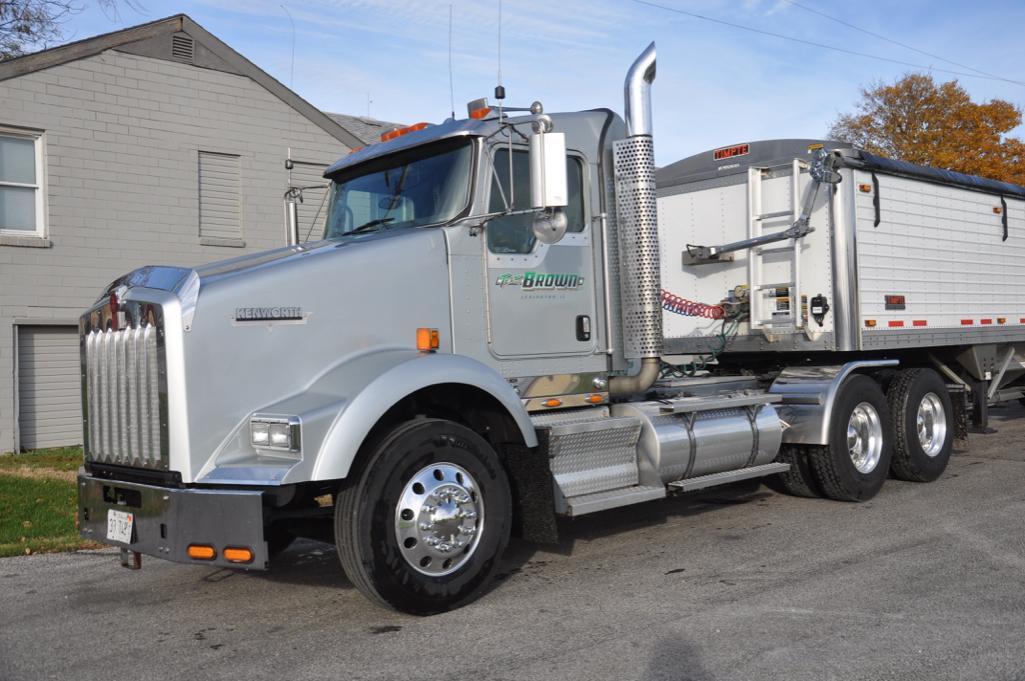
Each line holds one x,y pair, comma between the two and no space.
58,459
39,501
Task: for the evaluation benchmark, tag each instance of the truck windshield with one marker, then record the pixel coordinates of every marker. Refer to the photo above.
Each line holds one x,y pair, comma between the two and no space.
417,187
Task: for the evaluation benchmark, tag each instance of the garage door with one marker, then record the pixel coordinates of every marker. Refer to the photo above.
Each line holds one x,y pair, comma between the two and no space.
49,387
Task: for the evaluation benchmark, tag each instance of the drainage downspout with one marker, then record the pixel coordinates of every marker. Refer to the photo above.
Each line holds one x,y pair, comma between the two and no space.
636,212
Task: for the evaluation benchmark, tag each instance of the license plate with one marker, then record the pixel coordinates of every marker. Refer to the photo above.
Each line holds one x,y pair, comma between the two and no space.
119,526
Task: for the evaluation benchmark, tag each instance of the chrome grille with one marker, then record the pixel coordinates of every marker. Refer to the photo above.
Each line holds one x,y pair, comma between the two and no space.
123,376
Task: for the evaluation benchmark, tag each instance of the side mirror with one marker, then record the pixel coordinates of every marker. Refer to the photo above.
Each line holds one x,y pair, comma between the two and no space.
548,182
549,185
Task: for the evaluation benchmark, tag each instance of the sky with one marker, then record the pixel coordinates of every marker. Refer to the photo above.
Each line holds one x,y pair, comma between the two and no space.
716,85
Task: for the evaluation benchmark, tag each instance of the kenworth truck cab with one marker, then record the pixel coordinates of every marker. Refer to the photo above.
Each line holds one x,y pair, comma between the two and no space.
475,347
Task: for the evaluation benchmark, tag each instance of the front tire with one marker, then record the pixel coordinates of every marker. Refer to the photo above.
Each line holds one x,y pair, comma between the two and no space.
855,463
423,528
923,434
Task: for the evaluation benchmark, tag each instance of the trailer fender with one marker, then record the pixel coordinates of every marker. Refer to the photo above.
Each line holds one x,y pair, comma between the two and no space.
809,394
362,390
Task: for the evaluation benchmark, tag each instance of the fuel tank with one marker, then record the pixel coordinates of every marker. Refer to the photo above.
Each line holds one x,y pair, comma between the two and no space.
689,444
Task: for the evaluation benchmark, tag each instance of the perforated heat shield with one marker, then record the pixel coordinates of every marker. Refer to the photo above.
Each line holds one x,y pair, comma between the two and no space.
639,264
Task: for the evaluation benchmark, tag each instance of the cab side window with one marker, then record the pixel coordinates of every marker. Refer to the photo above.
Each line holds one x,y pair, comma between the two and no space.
513,233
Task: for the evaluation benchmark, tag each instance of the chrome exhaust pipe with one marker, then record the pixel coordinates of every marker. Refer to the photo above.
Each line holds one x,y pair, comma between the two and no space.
637,227
637,92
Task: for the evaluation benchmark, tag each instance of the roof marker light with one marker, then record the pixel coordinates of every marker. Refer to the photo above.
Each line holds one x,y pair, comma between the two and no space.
478,108
399,132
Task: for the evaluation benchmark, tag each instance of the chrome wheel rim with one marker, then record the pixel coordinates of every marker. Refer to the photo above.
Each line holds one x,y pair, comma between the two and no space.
931,422
865,437
439,519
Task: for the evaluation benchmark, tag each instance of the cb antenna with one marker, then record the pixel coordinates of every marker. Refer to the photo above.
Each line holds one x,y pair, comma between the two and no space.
291,73
451,86
500,89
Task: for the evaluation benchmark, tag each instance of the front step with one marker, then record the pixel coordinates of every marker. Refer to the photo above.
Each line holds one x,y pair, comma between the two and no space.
601,501
726,477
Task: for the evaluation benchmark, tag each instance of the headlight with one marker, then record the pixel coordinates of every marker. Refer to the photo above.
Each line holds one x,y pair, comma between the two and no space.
279,433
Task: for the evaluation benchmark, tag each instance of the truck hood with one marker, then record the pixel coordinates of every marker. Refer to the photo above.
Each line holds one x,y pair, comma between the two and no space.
263,327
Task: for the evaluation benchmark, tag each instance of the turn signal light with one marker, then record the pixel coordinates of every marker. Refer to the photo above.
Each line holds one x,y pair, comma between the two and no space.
427,339
238,555
201,552
399,132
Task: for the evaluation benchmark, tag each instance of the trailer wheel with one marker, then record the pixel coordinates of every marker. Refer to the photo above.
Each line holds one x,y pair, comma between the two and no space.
424,526
799,481
854,465
921,412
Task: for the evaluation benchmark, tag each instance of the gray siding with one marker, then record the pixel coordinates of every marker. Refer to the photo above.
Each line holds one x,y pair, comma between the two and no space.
122,136
49,389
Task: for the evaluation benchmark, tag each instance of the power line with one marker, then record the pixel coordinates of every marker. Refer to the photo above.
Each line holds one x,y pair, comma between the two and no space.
823,46
895,42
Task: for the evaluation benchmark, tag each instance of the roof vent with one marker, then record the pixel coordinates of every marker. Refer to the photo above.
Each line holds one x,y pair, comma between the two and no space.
183,48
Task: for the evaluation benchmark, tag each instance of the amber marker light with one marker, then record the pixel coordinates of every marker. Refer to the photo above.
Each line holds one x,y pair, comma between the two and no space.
870,323
235,554
553,402
399,132
595,399
201,552
427,340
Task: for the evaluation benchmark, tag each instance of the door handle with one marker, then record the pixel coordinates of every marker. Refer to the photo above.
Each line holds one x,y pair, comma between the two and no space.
583,327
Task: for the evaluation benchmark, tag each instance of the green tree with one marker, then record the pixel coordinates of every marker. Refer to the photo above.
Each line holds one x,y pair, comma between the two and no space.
917,120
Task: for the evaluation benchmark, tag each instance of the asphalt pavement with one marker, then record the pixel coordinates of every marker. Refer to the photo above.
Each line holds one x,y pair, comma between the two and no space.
926,581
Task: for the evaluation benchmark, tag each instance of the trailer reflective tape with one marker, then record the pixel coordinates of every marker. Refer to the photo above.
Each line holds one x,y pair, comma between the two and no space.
895,323
985,321
966,322
920,322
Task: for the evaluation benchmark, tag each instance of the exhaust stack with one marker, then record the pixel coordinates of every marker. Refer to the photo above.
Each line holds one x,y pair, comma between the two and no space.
637,225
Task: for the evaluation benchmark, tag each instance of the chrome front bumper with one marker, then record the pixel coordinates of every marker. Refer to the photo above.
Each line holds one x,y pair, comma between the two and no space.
167,520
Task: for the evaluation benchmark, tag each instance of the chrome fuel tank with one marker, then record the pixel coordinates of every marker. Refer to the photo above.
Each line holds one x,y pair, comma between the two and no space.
689,444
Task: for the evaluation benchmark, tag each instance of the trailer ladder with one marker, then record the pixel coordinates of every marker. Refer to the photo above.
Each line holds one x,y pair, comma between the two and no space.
762,318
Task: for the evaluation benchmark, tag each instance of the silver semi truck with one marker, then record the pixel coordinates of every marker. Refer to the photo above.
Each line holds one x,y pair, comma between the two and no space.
512,318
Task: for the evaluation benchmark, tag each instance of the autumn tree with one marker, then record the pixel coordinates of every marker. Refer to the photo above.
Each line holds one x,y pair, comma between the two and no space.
920,121
26,25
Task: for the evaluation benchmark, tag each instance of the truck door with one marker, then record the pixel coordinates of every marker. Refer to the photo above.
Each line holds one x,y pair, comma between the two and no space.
541,298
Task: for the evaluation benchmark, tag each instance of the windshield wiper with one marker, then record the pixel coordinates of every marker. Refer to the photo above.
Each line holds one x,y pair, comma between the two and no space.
370,226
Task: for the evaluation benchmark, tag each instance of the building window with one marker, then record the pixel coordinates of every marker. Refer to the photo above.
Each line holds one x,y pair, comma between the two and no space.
21,183
220,199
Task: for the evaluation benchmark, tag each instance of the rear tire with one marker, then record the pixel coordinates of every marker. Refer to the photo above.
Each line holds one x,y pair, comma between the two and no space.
855,463
422,529
921,413
799,481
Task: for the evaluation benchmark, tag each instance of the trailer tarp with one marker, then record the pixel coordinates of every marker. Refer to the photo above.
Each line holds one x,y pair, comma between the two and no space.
871,161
